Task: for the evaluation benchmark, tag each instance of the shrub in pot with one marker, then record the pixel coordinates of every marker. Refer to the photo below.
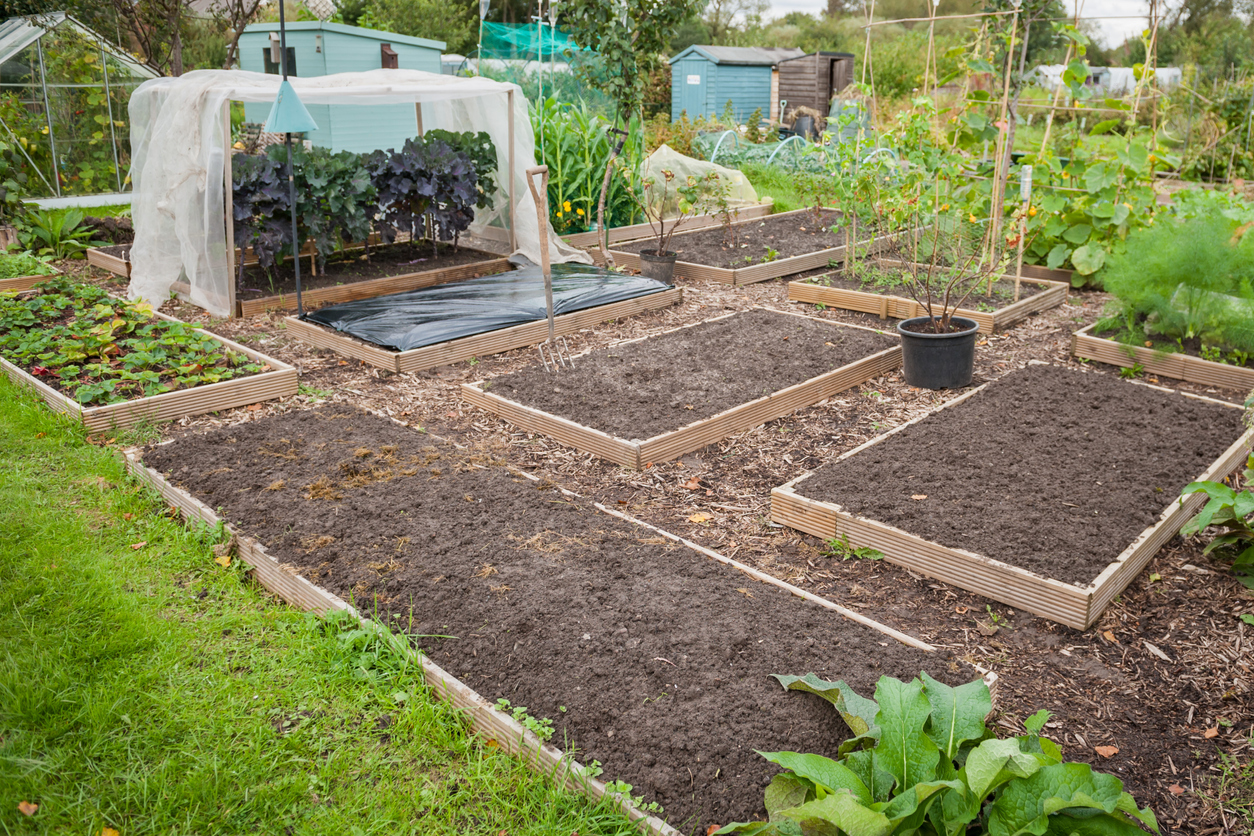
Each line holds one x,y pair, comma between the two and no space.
666,201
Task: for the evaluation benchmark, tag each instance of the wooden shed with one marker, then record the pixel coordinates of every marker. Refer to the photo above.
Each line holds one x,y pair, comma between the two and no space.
317,48
705,78
811,80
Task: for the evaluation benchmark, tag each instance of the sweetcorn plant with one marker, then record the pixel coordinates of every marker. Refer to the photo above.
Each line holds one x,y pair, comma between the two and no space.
922,761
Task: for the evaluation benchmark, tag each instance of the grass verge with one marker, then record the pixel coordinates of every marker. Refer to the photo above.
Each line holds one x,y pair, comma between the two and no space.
775,182
147,689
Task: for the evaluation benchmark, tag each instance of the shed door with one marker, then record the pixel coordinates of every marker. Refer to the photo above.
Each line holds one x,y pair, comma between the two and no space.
692,83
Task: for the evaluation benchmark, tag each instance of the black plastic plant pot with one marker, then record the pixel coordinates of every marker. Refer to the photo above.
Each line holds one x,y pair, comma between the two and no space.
938,361
655,266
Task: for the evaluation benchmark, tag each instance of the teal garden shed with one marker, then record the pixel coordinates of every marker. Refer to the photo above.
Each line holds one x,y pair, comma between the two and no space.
316,48
705,78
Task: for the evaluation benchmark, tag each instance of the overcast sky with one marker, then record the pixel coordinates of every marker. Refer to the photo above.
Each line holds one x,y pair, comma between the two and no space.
1114,31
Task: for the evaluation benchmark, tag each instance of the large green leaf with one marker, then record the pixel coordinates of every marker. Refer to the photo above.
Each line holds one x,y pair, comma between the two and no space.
1024,806
1078,234
957,713
823,771
904,749
1088,259
865,764
754,828
994,762
1058,256
857,711
786,790
840,810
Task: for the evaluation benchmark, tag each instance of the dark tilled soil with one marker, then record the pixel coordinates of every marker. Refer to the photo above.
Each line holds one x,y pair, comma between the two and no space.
646,388
122,251
1003,294
647,656
789,235
113,230
353,266
1053,470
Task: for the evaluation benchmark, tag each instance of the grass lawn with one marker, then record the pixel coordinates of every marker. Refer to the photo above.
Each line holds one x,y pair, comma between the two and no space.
775,182
147,689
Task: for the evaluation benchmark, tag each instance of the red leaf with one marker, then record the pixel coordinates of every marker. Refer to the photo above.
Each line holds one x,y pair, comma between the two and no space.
39,371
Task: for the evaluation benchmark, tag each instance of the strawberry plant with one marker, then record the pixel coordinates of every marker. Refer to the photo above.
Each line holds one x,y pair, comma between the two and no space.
15,265
922,761
101,350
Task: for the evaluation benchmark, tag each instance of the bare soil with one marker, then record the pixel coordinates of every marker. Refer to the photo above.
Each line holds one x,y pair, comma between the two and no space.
646,655
787,236
642,389
890,282
1049,469
352,266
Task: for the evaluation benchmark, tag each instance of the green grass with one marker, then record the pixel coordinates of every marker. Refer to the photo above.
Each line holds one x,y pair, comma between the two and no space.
147,689
775,182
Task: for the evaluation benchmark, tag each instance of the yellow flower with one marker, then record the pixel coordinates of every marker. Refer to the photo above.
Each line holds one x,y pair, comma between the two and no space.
944,207
566,206
972,218
1129,205
1031,211
559,214
579,212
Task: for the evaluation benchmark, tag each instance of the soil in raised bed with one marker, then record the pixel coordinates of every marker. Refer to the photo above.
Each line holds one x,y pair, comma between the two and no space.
888,281
352,266
648,657
787,235
1050,469
122,251
642,389
1157,342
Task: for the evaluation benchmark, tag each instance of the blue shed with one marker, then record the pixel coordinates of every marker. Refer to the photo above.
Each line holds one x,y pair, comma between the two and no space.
705,78
317,48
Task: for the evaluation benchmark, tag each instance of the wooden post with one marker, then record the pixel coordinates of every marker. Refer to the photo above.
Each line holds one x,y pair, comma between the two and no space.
513,235
1003,155
228,182
1025,202
418,116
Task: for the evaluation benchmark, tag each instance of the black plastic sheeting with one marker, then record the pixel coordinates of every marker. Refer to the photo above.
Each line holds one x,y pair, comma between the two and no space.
430,315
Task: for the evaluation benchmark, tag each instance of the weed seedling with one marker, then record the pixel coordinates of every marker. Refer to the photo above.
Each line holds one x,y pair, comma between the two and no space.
1132,372
841,547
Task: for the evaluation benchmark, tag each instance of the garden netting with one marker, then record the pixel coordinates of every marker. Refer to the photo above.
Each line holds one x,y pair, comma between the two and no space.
179,157
430,315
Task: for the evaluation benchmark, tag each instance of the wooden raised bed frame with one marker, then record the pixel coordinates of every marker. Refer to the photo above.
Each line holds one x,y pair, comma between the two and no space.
888,306
1179,365
27,282
634,232
1069,604
484,719
698,434
97,257
279,382
478,345
752,273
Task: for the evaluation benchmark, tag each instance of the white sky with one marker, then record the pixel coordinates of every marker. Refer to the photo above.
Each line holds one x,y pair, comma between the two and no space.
1114,31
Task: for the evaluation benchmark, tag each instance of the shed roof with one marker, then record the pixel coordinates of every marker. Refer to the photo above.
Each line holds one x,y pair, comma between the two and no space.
344,29
823,53
745,55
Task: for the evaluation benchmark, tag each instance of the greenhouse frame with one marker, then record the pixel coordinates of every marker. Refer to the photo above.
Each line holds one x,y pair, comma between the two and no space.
64,92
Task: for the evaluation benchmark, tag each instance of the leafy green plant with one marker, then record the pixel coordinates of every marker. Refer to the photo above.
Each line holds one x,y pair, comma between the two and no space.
1185,280
57,233
1132,372
13,182
428,177
1234,510
336,201
542,729
922,761
261,207
15,265
100,350
625,789
840,546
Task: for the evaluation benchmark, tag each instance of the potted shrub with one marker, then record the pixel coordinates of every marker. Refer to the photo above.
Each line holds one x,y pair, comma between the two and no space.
666,201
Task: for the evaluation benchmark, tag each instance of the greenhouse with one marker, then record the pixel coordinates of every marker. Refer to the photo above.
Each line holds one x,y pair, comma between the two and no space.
63,103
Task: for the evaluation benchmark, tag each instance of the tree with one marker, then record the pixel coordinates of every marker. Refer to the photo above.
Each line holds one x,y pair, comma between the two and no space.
231,16
452,22
721,15
629,35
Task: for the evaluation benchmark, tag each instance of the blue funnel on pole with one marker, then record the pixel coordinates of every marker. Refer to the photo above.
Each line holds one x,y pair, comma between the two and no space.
288,114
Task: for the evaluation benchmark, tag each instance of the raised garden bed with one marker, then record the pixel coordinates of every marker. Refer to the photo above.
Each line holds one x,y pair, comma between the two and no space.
205,372
1000,311
477,344
646,656
116,258
1174,364
27,282
658,397
798,243
640,230
1048,490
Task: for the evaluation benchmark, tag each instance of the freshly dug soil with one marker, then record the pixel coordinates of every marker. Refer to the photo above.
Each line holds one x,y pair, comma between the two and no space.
352,266
122,251
1191,346
788,235
1050,469
648,657
113,230
642,389
1003,294
923,327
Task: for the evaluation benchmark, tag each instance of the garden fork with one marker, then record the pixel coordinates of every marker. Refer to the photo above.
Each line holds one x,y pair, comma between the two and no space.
553,352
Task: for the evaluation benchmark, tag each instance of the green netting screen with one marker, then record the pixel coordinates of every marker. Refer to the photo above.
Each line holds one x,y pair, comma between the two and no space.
544,62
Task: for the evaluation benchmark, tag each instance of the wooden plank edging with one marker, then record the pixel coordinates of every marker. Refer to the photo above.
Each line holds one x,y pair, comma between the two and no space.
633,232
279,382
27,282
635,453
1067,603
1177,365
477,345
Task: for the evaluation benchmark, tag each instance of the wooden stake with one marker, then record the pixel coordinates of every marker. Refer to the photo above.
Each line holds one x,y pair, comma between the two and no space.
1002,161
